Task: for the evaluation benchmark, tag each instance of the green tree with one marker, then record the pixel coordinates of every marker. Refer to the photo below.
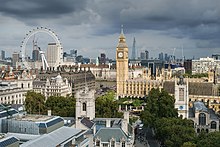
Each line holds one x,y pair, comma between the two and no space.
159,104
35,103
188,144
106,106
174,131
61,106
208,140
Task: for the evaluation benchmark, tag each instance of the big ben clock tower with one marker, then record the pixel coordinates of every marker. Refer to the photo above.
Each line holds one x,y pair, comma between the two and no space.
121,65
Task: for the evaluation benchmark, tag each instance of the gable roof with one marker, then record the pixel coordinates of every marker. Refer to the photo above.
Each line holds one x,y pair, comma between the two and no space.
106,134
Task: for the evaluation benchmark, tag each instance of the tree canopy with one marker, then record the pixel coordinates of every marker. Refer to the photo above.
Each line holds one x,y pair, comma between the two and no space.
36,103
106,106
208,140
174,131
161,115
62,106
159,104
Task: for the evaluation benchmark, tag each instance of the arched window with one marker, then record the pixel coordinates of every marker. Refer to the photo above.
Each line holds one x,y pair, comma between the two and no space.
202,119
84,106
213,125
22,85
198,130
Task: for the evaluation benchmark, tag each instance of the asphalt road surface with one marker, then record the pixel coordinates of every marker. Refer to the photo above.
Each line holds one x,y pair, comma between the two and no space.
145,138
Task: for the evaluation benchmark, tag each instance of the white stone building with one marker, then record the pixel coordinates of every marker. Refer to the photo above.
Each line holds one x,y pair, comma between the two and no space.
56,86
12,91
203,65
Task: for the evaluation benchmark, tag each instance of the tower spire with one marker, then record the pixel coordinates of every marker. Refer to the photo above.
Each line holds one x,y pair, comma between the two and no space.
134,50
122,31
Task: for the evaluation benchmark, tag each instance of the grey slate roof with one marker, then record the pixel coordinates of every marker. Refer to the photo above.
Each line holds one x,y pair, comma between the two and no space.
106,134
88,123
54,138
8,141
199,106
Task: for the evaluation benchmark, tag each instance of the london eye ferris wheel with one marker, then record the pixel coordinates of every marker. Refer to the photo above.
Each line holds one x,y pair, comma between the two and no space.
29,63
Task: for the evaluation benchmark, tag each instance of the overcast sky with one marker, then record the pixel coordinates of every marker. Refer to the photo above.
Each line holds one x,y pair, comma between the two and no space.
93,26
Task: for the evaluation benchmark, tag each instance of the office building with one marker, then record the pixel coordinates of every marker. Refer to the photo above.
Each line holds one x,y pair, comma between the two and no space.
102,59
2,55
203,65
32,124
161,56
54,55
36,54
15,59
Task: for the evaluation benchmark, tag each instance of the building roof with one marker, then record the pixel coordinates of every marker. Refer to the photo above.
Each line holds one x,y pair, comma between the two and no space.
88,123
36,118
6,113
23,137
54,138
212,114
199,106
106,134
8,141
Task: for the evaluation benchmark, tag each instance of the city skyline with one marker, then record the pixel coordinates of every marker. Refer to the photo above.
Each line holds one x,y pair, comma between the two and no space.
92,27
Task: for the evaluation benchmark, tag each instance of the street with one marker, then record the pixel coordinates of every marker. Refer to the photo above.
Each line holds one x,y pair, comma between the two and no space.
145,138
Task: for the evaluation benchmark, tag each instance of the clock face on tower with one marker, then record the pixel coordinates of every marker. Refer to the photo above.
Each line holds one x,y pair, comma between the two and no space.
180,107
120,54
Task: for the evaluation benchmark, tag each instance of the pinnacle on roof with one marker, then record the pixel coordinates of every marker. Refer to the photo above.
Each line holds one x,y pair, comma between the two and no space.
122,36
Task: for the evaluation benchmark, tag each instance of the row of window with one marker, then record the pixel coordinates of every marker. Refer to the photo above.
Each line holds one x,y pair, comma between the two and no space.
112,144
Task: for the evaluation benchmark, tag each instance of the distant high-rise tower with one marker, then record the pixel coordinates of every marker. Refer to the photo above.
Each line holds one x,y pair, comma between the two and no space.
15,58
2,55
147,54
36,54
53,54
161,56
102,58
133,56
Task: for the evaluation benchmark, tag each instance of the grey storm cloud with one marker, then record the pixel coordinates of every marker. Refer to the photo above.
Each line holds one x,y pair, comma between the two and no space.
198,20
32,9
